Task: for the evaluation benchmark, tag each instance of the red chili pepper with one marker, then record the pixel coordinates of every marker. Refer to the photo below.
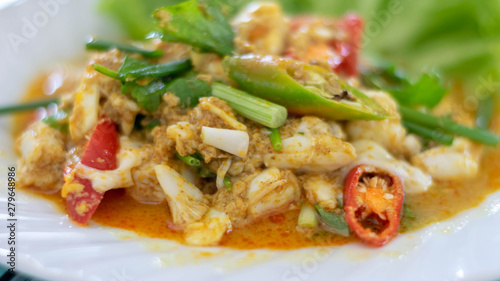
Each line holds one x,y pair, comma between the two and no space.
342,55
349,49
373,200
100,154
82,204
102,147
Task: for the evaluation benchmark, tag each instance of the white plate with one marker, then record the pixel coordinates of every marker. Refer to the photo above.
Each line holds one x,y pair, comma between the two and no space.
35,35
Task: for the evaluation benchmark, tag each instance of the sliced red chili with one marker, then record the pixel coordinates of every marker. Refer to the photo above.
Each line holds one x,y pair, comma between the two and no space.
349,48
99,154
373,201
82,204
102,147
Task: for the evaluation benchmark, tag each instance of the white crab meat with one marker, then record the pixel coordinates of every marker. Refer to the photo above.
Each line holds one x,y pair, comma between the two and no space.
323,190
209,230
312,149
389,133
184,135
129,156
146,188
456,162
186,202
271,190
371,153
85,112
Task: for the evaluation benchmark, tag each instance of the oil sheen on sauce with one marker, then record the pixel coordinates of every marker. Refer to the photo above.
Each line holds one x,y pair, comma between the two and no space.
278,231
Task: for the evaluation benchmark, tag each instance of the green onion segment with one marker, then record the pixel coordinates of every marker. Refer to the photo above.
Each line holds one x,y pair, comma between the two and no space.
259,110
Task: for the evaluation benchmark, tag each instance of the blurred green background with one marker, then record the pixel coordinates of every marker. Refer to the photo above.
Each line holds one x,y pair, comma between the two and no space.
458,38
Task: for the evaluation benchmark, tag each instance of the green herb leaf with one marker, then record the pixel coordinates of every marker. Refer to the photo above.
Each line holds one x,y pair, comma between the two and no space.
189,89
200,24
334,220
131,64
101,45
426,91
146,93
136,69
147,96
58,121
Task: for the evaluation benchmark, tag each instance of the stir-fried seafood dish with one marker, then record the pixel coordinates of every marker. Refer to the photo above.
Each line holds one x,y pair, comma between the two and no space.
227,123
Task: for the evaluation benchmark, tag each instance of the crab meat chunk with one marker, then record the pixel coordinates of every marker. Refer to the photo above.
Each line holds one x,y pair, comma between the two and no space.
389,133
186,202
271,190
456,162
207,231
371,153
312,149
323,189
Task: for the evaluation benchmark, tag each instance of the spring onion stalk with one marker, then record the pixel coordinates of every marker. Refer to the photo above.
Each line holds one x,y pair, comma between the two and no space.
433,122
485,113
26,106
259,110
106,71
190,160
101,45
227,183
307,217
428,133
275,139
231,141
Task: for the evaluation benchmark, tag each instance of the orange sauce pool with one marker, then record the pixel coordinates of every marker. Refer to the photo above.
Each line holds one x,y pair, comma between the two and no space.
278,232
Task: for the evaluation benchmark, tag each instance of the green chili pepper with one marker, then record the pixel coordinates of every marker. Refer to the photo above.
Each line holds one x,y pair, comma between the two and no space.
302,88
